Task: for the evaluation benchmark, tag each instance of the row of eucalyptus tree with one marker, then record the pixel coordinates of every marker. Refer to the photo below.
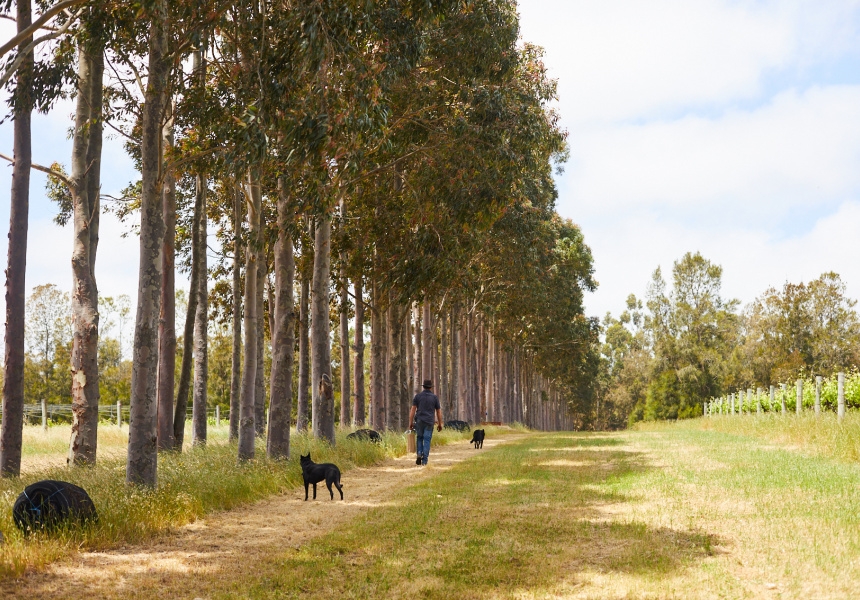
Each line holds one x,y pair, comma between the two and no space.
395,157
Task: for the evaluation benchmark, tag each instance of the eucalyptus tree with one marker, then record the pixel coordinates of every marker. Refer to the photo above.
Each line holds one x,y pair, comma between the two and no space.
34,85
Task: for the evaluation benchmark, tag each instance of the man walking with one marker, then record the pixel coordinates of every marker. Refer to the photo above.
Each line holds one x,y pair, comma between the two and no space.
423,406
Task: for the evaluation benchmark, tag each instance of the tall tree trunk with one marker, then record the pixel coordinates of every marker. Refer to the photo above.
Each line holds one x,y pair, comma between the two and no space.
454,393
322,416
191,325
405,397
345,395
409,350
419,350
142,462
167,316
304,352
427,342
395,323
236,362
444,390
201,319
12,424
249,368
377,358
358,406
86,163
259,382
283,333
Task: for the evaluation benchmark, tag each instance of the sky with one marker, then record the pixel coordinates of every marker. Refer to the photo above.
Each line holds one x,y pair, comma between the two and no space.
729,127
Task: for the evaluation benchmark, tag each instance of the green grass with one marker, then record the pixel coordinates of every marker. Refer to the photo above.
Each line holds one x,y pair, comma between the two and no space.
820,435
675,513
190,485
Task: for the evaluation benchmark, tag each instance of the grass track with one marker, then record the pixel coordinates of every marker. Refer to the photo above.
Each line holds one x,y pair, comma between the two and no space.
678,513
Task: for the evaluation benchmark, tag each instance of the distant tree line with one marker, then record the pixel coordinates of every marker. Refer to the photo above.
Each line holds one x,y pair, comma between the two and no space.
662,358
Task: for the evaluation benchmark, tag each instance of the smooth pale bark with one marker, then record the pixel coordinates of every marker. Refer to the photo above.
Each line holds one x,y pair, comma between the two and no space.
358,405
259,382
86,170
236,361
377,360
492,379
426,343
444,392
201,320
167,315
303,408
11,426
394,342
344,334
418,376
142,463
405,400
454,393
249,366
322,413
409,350
283,333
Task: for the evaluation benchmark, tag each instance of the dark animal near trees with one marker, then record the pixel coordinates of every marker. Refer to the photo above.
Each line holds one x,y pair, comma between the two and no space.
365,435
478,438
48,504
313,473
457,425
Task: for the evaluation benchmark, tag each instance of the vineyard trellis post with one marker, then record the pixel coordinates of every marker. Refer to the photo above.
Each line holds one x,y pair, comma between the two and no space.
772,396
841,395
799,396
818,394
758,392
784,387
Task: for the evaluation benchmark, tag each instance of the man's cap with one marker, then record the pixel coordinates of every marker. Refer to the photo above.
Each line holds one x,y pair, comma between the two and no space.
427,384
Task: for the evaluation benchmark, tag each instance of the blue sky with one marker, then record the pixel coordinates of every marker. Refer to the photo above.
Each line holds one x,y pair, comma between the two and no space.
726,127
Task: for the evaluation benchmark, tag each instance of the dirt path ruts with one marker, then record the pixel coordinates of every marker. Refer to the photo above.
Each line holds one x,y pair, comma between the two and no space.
205,557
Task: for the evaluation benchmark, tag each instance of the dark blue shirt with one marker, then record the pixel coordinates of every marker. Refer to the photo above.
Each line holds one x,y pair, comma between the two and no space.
427,402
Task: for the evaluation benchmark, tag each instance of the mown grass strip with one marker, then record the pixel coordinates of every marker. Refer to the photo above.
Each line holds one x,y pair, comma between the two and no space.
521,520
191,484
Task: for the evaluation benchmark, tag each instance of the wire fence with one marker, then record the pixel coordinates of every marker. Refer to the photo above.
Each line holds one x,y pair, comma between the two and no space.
47,414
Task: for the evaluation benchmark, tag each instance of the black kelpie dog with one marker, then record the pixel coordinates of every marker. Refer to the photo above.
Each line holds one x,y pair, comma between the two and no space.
478,438
365,435
313,473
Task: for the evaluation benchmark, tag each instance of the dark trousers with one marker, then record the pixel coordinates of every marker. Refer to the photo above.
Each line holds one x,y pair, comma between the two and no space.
423,433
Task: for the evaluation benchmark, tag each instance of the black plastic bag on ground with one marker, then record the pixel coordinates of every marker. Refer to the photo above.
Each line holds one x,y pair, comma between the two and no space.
48,504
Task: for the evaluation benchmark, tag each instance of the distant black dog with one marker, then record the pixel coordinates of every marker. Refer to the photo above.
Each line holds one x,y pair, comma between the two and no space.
313,473
457,425
365,435
478,438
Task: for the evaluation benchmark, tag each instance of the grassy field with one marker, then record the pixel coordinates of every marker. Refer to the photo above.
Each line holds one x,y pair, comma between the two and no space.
675,513
191,485
699,509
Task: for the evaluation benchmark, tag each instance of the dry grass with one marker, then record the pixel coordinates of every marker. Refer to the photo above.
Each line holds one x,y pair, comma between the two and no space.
191,485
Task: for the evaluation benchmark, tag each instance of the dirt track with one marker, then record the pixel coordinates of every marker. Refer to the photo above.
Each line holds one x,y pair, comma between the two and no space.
204,558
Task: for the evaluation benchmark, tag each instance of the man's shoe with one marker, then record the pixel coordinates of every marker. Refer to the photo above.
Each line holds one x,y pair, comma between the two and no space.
418,460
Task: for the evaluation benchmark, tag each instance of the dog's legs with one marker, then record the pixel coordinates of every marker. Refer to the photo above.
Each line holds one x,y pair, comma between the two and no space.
315,491
339,488
306,491
328,483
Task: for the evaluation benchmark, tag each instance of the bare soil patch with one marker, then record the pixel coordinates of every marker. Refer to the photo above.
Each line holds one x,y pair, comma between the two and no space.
203,558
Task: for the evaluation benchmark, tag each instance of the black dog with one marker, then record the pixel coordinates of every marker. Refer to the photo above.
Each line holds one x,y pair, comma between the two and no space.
313,473
365,435
457,425
478,438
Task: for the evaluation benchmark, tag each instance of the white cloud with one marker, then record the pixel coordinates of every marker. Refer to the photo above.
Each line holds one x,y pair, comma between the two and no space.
752,259
629,59
800,150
